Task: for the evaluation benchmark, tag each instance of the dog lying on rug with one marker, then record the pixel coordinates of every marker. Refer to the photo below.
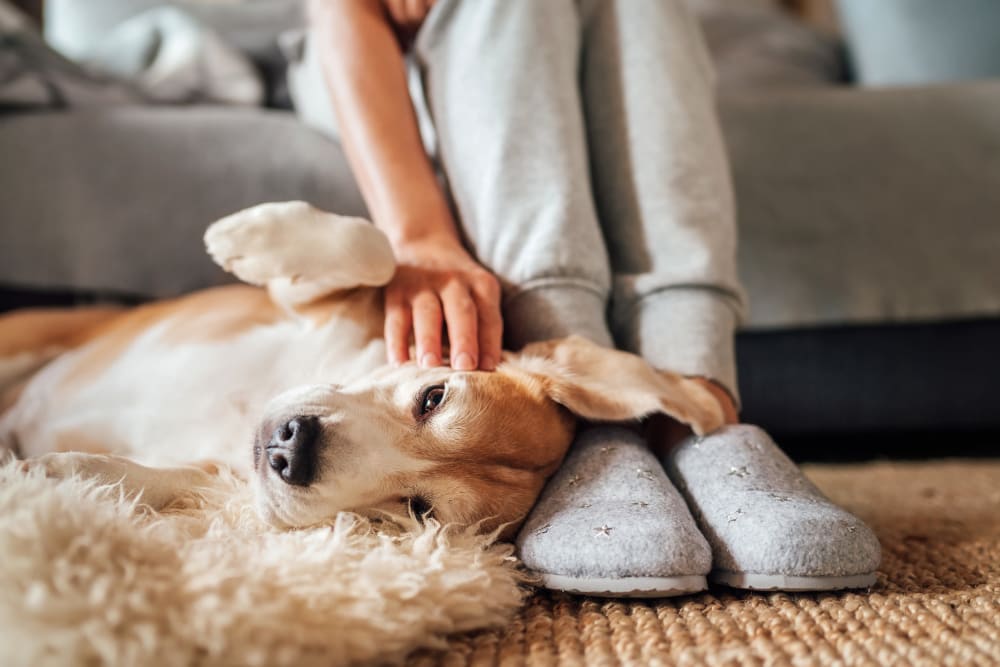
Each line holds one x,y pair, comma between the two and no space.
288,387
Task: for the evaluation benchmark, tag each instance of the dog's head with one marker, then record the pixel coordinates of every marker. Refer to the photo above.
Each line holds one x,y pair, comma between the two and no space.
466,447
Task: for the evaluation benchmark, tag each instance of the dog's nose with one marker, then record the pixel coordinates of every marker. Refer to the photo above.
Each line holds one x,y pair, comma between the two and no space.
292,450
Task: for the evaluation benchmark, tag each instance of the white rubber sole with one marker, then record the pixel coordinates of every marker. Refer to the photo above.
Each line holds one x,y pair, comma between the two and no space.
781,582
626,587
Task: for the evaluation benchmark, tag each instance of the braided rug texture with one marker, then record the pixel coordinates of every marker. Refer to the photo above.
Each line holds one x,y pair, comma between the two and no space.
937,600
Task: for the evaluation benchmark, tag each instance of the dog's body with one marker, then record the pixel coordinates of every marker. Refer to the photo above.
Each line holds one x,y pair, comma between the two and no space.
299,371
207,364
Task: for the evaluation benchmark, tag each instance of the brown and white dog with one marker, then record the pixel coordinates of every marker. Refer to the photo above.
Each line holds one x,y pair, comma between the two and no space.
289,387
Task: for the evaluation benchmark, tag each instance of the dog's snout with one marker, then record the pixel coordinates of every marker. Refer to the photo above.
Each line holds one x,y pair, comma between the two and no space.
292,451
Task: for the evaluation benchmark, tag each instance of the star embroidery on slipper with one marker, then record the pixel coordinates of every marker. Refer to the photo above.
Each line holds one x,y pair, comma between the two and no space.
742,471
603,531
644,473
735,515
574,480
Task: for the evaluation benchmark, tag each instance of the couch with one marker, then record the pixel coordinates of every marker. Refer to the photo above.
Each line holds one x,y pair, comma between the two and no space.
869,223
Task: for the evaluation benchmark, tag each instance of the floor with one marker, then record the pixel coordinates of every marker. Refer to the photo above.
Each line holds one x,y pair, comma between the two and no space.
937,601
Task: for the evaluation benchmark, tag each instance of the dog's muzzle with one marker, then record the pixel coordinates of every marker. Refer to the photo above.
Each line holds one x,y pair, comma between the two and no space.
293,450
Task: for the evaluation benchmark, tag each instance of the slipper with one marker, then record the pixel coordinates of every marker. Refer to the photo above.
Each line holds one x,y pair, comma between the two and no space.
611,524
769,527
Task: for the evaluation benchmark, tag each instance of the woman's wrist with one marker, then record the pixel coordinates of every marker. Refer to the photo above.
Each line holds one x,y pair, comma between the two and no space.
419,228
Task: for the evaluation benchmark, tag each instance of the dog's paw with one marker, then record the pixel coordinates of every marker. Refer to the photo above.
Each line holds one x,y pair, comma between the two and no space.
296,243
250,243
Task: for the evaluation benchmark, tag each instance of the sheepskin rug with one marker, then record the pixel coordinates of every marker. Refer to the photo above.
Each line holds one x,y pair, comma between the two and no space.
88,576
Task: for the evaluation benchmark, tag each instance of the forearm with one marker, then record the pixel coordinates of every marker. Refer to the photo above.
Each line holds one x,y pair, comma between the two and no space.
437,282
366,76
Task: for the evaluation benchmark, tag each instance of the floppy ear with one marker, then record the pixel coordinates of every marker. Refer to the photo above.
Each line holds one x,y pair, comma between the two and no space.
600,384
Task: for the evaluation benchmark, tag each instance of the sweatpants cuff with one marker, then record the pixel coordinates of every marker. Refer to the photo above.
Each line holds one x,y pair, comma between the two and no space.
555,310
685,330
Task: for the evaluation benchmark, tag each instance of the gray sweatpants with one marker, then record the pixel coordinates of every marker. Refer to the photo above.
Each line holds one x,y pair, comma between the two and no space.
580,143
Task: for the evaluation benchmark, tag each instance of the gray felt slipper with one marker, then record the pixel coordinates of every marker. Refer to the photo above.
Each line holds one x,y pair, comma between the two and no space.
770,528
610,523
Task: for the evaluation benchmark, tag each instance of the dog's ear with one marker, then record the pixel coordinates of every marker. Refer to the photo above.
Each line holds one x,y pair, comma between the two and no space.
600,384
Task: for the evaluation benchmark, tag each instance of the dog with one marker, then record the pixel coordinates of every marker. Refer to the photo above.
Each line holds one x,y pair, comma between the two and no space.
284,381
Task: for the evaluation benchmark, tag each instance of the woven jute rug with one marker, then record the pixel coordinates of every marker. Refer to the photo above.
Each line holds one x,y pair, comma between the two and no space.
937,601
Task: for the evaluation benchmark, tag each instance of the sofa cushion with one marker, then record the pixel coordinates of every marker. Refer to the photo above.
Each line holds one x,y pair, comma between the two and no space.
755,44
868,206
117,200
855,206
912,42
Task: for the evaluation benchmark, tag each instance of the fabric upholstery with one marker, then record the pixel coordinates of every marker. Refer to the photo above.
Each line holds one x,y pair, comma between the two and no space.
118,200
914,42
863,207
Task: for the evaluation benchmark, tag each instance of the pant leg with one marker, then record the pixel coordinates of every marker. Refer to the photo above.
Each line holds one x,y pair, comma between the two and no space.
500,80
662,185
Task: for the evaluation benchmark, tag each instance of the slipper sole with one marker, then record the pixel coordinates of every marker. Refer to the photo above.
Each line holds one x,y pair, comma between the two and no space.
626,587
792,584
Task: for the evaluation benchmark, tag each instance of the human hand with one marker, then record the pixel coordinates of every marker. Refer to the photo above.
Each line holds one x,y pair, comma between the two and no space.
407,16
437,282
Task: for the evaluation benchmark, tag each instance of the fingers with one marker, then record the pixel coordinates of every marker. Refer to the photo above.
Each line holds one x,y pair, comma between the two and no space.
486,293
427,328
460,314
408,14
398,324
396,10
426,300
415,11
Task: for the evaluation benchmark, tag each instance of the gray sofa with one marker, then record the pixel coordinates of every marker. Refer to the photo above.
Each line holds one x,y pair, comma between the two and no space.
869,222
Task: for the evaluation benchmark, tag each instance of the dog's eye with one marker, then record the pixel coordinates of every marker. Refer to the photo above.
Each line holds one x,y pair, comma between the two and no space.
430,399
420,507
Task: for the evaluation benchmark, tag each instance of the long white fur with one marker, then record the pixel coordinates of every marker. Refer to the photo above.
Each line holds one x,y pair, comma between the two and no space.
89,577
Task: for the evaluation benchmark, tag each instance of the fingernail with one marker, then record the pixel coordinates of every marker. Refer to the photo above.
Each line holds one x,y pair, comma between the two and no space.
429,360
464,362
487,363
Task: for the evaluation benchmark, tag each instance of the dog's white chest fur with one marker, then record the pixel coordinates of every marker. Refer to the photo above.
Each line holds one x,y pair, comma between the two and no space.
190,400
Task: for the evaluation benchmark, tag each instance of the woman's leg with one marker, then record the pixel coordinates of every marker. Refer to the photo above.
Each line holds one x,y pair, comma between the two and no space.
663,193
662,186
501,85
501,79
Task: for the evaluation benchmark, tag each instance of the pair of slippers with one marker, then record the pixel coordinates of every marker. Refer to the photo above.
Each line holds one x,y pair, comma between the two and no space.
729,508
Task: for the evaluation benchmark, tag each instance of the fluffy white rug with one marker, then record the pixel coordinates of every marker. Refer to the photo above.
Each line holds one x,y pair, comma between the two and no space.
88,577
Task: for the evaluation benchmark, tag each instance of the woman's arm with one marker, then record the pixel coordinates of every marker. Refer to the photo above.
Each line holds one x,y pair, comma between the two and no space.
437,280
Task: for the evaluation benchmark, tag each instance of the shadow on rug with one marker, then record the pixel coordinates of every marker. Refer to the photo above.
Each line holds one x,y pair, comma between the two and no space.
91,578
